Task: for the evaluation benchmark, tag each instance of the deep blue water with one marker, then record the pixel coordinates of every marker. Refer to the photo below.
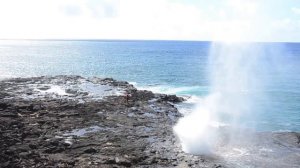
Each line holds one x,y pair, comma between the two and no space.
164,66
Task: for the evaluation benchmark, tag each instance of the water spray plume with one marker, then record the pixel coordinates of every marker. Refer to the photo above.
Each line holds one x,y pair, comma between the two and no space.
237,73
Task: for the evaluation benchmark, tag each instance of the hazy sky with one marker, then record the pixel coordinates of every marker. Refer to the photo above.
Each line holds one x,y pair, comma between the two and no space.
231,20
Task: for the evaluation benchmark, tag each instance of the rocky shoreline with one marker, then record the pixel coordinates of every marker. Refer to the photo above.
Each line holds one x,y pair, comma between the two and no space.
71,121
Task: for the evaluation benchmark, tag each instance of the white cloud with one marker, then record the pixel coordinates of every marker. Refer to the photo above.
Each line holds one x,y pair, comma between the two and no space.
136,19
296,10
130,19
103,8
71,10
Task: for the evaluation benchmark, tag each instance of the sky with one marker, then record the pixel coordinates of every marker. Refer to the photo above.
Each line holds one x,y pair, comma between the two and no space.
212,20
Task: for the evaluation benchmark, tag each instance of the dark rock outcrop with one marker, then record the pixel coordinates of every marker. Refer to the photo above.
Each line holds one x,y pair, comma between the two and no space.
70,121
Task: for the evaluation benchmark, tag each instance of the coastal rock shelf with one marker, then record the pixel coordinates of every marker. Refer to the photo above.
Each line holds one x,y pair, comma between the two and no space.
70,121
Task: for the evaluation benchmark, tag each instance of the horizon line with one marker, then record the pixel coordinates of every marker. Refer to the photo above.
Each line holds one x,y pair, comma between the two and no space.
174,40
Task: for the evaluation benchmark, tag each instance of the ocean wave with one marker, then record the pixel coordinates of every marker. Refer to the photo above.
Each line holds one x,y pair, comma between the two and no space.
187,91
133,83
282,130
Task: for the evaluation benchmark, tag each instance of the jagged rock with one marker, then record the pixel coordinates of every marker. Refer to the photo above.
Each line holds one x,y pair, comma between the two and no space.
33,146
3,106
90,150
44,88
172,98
8,114
71,91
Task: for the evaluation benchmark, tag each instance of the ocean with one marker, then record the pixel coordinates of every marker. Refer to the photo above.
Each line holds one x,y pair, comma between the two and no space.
171,67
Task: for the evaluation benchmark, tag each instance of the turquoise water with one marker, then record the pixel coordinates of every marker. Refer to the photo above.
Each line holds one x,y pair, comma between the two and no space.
174,67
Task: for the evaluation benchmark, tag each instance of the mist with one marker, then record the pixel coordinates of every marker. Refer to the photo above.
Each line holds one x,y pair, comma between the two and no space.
239,74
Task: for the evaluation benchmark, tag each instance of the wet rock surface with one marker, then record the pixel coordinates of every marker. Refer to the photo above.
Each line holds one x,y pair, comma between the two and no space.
70,121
